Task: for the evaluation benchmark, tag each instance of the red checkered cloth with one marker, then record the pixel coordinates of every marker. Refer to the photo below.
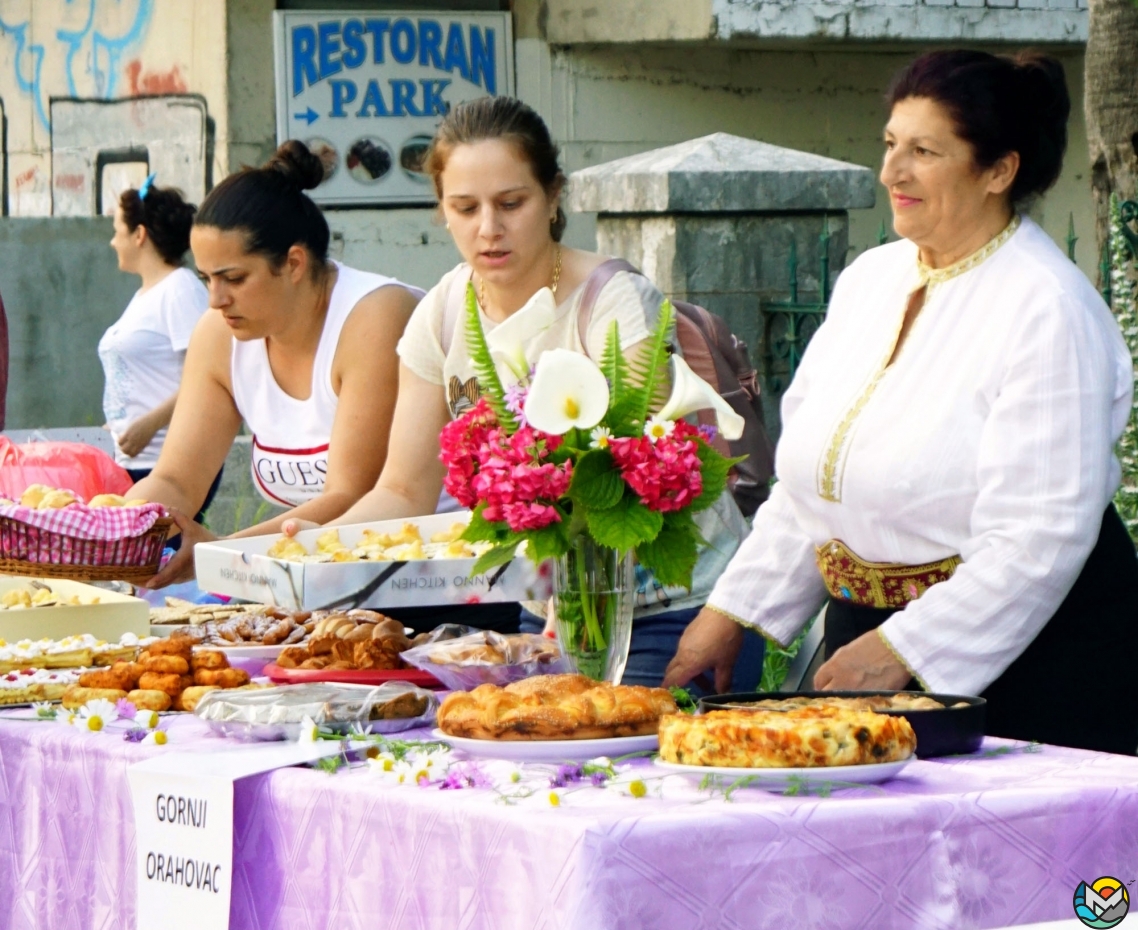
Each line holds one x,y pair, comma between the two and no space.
82,522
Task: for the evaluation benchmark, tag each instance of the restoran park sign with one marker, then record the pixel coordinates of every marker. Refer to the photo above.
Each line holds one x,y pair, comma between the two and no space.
366,90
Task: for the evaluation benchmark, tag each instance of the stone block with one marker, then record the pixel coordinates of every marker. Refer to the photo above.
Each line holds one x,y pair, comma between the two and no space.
1063,4
733,265
1001,3
721,173
1032,4
939,2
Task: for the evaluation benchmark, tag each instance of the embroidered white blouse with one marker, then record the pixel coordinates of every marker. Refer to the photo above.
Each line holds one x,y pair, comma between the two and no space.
990,436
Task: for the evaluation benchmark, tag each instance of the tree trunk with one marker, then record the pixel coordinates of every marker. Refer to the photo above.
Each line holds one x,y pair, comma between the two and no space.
1111,102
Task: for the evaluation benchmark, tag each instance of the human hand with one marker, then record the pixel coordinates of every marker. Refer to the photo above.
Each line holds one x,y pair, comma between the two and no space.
137,436
711,641
294,525
866,664
181,566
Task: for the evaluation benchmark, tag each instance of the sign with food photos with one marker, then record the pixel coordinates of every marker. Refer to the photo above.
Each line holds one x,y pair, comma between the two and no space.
365,91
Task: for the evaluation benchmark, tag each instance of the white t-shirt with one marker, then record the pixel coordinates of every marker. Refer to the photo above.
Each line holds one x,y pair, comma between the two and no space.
634,302
143,353
990,436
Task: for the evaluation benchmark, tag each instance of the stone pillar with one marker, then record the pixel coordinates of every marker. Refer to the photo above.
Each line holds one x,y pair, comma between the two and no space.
711,222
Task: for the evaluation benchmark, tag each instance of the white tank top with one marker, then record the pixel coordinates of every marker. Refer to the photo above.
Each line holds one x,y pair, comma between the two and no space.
290,436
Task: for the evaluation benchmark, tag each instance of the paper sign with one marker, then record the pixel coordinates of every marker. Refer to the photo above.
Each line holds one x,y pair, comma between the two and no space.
183,816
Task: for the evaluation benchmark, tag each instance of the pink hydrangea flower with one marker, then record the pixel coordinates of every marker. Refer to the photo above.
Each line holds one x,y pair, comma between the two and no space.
460,443
665,473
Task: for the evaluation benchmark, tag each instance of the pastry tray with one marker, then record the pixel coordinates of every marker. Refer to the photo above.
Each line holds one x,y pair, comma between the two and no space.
947,731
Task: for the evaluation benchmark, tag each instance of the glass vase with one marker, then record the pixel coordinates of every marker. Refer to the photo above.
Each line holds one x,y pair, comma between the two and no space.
594,593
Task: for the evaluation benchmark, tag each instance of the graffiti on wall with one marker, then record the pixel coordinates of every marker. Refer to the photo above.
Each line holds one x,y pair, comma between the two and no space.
86,47
97,97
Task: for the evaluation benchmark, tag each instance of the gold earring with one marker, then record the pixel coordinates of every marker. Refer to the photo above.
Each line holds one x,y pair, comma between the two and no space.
448,227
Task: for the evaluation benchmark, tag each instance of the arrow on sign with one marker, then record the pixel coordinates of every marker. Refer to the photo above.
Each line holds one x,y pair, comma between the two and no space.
310,116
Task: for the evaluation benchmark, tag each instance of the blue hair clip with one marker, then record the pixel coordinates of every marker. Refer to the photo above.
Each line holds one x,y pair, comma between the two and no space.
144,189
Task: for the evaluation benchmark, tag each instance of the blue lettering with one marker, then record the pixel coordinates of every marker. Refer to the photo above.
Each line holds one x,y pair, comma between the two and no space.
403,99
482,71
430,37
329,49
456,52
355,49
303,58
433,103
343,93
373,100
377,28
403,41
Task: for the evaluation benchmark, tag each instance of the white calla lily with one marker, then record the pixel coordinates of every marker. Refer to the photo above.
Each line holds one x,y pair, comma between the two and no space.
691,393
568,391
507,340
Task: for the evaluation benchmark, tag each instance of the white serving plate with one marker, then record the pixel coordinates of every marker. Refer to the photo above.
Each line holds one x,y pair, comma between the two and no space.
781,779
561,750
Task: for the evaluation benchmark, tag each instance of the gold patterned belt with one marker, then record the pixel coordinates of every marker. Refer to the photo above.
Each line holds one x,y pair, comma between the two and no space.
877,584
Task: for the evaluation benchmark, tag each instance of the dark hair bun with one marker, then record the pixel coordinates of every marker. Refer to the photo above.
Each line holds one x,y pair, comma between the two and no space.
166,216
295,161
999,105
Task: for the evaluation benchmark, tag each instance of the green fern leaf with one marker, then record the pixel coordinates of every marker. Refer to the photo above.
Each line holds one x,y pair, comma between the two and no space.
484,368
649,372
622,400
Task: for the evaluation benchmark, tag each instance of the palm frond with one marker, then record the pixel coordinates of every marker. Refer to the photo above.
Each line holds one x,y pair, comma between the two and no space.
487,373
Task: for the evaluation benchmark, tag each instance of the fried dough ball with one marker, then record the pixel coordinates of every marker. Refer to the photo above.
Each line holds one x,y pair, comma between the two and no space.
387,627
376,654
222,677
165,665
76,695
320,645
342,651
109,500
316,662
150,700
360,633
34,494
156,681
174,646
190,698
119,677
211,658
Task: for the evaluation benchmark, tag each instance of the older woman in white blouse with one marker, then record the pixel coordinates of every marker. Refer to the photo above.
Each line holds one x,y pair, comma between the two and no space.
946,456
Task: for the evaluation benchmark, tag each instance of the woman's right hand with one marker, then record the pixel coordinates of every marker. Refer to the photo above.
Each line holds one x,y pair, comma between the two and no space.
711,641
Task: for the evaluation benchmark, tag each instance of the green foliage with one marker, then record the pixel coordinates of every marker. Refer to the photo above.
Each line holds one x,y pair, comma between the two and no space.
649,372
626,526
672,555
1124,300
495,557
714,469
484,368
684,701
776,660
622,399
596,483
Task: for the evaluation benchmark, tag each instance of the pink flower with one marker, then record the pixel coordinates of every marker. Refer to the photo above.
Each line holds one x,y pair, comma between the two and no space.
664,473
460,442
516,482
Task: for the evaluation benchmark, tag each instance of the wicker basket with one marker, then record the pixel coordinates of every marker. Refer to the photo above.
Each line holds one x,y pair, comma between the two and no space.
29,550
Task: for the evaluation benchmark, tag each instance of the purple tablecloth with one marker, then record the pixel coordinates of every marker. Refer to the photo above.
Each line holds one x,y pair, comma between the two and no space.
985,841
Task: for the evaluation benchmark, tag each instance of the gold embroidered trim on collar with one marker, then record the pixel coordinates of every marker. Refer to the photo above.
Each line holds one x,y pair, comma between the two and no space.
832,465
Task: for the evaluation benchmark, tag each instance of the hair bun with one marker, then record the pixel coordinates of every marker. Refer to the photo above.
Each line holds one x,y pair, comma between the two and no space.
1045,87
296,163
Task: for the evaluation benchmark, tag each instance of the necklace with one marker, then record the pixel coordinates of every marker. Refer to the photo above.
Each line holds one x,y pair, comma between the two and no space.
931,277
552,286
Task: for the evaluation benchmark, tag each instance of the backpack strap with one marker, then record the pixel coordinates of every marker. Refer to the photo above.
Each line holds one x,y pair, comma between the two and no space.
594,284
452,309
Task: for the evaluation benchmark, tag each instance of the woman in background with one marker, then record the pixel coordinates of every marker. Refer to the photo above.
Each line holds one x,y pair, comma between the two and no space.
144,351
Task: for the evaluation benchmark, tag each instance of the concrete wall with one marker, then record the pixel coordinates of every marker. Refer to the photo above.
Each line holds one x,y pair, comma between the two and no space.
62,289
102,50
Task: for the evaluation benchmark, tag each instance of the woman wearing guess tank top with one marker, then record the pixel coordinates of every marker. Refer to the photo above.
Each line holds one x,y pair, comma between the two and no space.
302,349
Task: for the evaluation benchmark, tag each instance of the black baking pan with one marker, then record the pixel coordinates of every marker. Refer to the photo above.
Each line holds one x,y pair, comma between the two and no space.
947,731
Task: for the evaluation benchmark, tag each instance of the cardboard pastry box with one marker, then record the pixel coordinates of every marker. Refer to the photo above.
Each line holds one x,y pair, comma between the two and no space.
113,615
240,568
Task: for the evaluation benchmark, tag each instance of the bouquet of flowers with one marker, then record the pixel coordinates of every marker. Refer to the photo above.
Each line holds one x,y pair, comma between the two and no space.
571,454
